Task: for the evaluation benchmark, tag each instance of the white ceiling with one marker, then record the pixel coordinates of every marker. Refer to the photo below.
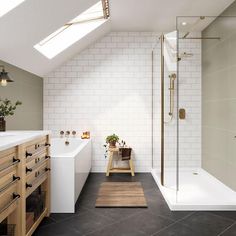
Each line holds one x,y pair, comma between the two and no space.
34,20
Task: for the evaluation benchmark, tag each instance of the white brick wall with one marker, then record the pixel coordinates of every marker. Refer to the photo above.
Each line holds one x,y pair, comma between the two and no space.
107,89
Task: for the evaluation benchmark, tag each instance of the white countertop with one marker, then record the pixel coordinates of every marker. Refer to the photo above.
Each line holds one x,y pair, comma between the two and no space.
13,138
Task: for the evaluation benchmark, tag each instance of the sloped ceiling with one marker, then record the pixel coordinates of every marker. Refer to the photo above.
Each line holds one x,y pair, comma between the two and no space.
34,20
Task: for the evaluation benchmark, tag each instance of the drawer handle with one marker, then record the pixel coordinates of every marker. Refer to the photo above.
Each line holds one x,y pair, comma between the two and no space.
14,179
28,170
15,197
28,185
37,173
47,169
47,144
15,161
28,154
47,157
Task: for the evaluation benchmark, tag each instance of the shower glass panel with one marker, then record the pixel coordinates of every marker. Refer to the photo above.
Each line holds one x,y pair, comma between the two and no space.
206,108
170,114
164,69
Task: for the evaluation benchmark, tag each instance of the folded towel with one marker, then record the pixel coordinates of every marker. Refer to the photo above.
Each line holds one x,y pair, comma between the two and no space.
125,153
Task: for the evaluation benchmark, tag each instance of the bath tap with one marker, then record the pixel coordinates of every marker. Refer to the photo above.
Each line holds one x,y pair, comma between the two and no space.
67,133
62,133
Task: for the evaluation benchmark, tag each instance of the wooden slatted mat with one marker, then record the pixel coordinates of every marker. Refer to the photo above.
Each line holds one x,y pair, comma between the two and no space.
121,194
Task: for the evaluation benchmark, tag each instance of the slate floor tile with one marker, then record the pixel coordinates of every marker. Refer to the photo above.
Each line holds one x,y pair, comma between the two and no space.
178,230
117,214
61,216
87,222
230,232
206,224
226,214
146,222
117,230
56,229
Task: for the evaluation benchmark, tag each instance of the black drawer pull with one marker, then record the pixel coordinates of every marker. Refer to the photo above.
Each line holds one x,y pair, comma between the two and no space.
28,170
47,157
47,169
28,185
15,178
28,154
15,197
15,160
47,144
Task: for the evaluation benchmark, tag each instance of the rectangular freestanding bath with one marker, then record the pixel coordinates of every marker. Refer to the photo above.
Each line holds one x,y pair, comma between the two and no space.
70,166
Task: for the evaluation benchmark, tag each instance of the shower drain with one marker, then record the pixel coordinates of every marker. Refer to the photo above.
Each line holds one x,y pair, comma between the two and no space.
195,173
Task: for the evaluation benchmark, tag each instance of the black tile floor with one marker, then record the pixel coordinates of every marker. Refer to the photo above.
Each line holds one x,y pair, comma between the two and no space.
156,220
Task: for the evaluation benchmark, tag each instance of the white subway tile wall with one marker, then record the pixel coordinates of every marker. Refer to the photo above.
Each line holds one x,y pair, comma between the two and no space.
106,89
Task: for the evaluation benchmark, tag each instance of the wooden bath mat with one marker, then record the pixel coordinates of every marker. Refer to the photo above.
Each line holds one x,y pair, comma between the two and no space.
121,194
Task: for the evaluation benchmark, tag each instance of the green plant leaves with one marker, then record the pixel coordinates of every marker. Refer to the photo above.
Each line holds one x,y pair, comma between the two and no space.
7,108
112,138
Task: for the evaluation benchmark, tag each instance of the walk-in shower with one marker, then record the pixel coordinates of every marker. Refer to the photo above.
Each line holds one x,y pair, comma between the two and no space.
194,127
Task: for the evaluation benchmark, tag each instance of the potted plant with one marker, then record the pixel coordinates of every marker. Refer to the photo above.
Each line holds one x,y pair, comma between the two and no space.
112,140
7,108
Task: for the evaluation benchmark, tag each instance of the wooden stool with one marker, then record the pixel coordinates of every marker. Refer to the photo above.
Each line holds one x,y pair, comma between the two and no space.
110,168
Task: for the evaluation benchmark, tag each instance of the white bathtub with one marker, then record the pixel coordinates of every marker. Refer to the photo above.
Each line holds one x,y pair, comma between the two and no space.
70,166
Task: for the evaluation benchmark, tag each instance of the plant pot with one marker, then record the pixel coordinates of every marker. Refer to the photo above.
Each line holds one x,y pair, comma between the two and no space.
112,144
2,124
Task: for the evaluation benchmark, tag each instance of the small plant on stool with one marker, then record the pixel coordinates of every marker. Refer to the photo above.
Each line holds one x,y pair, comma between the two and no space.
111,141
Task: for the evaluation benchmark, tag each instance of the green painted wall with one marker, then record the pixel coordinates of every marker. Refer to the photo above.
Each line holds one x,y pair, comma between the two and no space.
27,88
219,99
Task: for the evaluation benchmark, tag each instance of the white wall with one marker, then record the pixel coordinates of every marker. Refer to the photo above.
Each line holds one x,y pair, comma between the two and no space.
107,89
190,99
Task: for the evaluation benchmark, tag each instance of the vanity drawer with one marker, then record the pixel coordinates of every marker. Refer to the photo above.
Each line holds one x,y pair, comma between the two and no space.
36,147
7,156
35,161
9,206
37,178
7,152
6,196
8,164
8,180
36,174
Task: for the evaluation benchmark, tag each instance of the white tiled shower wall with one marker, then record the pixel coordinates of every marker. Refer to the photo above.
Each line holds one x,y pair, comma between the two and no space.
107,89
190,98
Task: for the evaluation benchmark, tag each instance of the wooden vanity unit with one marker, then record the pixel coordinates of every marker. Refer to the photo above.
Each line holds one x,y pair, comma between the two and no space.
25,180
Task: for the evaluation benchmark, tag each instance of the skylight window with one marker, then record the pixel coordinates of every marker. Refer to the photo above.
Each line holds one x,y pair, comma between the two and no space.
74,30
8,5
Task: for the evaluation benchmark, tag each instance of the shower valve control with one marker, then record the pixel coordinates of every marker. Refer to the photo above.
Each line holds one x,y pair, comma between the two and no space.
182,114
